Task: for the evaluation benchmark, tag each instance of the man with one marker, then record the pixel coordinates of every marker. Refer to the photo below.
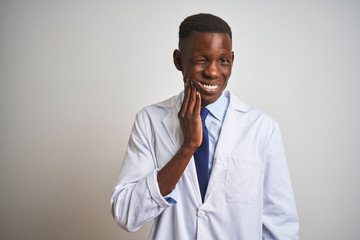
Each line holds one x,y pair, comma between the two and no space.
203,164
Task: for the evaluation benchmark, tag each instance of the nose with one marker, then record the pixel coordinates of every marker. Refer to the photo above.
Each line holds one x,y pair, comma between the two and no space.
212,70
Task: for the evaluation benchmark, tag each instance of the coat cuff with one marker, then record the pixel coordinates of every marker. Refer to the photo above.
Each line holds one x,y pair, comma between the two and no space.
155,190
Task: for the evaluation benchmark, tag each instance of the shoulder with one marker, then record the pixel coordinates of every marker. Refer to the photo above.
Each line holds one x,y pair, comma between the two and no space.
161,109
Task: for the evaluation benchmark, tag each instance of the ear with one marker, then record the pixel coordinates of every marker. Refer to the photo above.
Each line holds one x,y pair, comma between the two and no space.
177,60
233,56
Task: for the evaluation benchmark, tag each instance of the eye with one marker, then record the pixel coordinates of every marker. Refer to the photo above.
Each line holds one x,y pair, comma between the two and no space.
224,60
200,60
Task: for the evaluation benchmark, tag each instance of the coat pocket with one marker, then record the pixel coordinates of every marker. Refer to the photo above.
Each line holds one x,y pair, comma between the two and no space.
243,180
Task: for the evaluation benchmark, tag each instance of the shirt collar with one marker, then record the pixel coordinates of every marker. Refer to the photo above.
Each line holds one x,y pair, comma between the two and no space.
218,108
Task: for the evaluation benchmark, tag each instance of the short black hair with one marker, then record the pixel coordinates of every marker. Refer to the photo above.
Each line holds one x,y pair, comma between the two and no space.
205,23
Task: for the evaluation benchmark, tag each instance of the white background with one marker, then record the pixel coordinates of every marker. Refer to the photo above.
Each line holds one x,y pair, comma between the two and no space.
73,74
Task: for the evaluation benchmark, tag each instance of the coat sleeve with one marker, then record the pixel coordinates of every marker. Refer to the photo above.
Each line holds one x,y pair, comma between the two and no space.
280,220
136,198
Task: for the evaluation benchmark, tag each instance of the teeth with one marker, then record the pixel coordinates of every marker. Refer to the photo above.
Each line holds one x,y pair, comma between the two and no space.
210,86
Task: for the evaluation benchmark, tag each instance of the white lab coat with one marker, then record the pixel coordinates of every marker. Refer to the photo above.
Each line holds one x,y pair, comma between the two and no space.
249,195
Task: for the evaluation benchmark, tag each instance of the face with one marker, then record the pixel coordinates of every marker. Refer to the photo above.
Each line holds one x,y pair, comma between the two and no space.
206,60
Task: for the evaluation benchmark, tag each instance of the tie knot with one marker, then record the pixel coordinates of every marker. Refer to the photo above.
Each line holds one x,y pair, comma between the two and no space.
203,113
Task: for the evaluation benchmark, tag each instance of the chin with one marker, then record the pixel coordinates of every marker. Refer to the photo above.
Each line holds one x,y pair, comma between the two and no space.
207,101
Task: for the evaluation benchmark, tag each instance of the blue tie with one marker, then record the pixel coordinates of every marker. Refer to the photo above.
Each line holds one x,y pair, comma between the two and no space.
201,157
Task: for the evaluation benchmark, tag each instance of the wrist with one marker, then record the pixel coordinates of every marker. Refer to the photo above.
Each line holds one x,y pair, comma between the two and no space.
188,150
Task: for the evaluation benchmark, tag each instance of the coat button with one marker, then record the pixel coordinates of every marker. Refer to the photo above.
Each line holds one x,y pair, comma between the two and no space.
200,213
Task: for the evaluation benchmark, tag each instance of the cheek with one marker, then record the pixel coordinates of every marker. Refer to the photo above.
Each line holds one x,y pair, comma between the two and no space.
226,72
197,69
194,71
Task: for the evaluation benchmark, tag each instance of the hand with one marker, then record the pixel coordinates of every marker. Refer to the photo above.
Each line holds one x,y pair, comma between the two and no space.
190,122
189,117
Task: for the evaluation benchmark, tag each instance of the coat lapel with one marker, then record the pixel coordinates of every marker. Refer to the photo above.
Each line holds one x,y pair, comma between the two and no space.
172,126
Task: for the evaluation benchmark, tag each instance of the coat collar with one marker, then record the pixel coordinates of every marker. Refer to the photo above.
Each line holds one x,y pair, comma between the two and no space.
236,103
171,120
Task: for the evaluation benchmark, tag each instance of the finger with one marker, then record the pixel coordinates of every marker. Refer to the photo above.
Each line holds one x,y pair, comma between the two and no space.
185,103
197,107
192,101
186,82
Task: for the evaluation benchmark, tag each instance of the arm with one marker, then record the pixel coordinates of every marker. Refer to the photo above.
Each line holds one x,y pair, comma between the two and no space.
190,122
134,201
138,195
280,220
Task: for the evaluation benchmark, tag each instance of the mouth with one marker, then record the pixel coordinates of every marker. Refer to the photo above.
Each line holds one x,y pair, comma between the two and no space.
209,88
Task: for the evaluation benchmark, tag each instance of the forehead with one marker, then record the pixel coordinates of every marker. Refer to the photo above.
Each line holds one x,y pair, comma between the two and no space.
198,41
